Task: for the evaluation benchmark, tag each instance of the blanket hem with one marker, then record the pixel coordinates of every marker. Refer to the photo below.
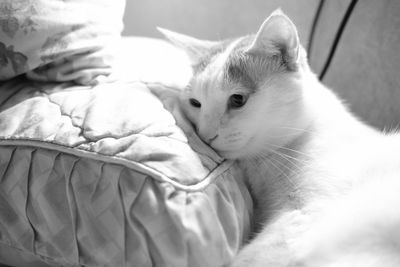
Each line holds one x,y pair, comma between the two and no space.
201,185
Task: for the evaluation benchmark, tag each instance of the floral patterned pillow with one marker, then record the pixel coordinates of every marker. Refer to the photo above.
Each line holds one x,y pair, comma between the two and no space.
59,40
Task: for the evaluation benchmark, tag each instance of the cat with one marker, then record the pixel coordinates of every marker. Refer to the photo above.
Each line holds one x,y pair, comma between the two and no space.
326,186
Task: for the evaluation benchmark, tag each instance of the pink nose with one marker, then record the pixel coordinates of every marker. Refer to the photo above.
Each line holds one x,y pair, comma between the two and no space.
208,137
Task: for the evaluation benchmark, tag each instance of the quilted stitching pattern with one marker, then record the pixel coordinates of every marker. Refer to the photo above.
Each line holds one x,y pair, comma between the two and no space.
116,119
102,176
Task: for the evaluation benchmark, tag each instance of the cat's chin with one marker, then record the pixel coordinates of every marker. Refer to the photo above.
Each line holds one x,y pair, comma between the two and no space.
248,151
237,150
232,153
229,154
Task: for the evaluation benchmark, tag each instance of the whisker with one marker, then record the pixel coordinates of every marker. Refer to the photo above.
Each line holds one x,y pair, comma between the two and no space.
295,165
281,171
292,150
281,164
298,129
283,135
286,156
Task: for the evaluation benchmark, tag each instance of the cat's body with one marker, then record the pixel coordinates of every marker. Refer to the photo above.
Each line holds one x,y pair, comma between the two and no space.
332,196
325,184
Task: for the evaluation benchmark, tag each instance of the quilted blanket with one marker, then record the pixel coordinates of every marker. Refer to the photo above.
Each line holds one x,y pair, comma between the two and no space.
102,175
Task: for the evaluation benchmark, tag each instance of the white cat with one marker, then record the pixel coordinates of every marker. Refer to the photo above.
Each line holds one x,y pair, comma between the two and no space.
326,186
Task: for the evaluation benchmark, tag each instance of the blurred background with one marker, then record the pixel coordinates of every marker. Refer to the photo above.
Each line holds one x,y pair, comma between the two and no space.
352,45
210,19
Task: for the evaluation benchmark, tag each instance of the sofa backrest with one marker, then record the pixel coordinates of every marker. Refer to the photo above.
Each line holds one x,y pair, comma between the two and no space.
355,50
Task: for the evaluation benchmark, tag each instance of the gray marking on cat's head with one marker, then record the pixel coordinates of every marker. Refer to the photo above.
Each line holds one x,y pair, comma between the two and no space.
249,60
208,56
236,66
250,69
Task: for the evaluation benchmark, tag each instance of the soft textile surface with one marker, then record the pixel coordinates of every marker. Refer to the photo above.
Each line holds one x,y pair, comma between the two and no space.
102,176
65,40
115,119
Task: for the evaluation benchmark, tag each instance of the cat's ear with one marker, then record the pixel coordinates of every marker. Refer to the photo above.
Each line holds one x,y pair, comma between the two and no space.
194,48
277,35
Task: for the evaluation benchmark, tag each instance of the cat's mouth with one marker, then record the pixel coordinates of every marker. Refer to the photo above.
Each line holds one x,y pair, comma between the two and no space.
233,149
227,154
230,153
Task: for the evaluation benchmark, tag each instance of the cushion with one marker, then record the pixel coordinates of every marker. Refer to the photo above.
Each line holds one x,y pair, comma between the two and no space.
105,175
70,40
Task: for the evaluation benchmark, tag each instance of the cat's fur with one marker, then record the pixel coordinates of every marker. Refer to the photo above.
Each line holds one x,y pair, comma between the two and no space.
326,186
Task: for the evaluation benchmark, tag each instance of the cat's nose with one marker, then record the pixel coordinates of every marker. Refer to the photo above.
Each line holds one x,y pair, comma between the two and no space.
208,137
212,139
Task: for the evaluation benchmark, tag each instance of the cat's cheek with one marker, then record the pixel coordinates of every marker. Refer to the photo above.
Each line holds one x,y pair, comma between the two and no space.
191,115
230,153
227,142
223,149
235,145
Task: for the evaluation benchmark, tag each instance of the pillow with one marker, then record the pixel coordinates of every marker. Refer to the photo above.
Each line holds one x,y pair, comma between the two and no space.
68,40
103,176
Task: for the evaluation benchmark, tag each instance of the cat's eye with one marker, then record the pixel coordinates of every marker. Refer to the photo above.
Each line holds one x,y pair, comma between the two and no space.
195,103
237,101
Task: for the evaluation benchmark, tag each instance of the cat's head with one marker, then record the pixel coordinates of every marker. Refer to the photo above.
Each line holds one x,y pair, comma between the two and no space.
245,96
